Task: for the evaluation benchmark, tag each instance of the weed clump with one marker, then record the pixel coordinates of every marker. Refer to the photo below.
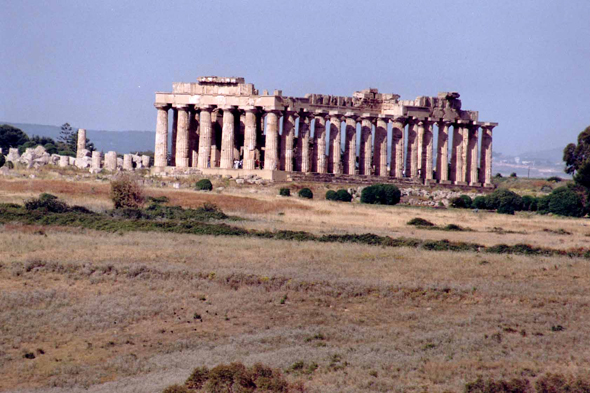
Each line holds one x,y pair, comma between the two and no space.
381,194
305,193
126,193
462,202
285,192
47,202
236,377
420,222
204,185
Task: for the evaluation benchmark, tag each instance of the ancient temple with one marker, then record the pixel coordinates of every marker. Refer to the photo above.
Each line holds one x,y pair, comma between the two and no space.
226,124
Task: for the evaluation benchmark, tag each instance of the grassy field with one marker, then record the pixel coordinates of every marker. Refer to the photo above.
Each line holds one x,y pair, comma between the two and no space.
135,312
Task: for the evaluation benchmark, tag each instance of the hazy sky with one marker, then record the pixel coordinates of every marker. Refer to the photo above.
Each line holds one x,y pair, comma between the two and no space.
97,64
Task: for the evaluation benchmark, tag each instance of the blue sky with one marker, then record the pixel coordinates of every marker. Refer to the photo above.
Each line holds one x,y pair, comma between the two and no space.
97,64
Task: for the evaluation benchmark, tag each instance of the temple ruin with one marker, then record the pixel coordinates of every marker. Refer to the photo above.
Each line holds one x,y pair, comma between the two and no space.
225,126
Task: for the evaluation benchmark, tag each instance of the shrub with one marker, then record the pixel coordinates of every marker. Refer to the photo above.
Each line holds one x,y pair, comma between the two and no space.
557,383
305,193
515,385
157,200
204,185
420,222
498,175
2,160
48,203
555,179
343,196
479,202
235,377
509,200
285,192
529,203
381,194
543,204
513,174
331,195
462,202
565,202
176,389
126,192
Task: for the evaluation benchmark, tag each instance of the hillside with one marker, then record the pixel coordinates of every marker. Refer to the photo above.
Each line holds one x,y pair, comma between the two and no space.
120,141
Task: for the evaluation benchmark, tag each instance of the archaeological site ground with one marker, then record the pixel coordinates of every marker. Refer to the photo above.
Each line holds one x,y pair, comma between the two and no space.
339,297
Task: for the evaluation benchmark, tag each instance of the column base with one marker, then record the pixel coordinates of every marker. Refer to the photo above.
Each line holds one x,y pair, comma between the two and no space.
460,183
444,182
475,184
488,185
182,162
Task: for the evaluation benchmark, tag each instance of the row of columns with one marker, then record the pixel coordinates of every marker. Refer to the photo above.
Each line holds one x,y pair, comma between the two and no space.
193,135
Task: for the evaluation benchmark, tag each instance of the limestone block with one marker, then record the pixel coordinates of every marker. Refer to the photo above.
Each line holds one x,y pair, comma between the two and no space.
43,159
72,160
83,162
13,155
119,162
145,161
84,153
64,161
81,145
54,159
39,150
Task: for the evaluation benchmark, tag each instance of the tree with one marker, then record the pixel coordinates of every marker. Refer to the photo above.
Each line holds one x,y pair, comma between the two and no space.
566,202
382,194
68,141
576,155
11,137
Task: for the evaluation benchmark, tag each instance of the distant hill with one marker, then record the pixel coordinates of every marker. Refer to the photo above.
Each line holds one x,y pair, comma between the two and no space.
119,141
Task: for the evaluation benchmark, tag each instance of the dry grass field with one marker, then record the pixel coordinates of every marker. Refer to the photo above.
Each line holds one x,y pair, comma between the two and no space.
135,312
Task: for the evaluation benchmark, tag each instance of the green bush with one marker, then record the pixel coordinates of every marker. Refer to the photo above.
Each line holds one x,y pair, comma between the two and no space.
381,194
305,193
343,196
543,204
126,193
285,192
204,185
331,195
513,174
420,222
529,203
48,203
515,385
510,201
461,202
565,202
2,160
555,179
479,202
235,377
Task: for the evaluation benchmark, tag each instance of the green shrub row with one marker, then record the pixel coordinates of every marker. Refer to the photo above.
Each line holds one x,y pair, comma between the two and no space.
548,383
563,201
341,195
105,222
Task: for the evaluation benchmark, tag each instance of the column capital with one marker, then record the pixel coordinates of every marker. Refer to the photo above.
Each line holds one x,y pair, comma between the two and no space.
488,126
400,119
180,106
320,113
249,108
351,115
304,115
368,116
162,106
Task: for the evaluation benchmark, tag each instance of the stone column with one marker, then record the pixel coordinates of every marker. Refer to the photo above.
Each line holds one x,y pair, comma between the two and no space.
472,169
271,158
110,161
485,176
250,138
320,143
205,137
427,150
161,148
397,148
193,137
287,139
303,154
145,161
334,157
380,150
365,148
350,144
420,147
174,135
127,162
182,136
96,159
227,138
464,152
81,145
412,152
442,153
456,154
